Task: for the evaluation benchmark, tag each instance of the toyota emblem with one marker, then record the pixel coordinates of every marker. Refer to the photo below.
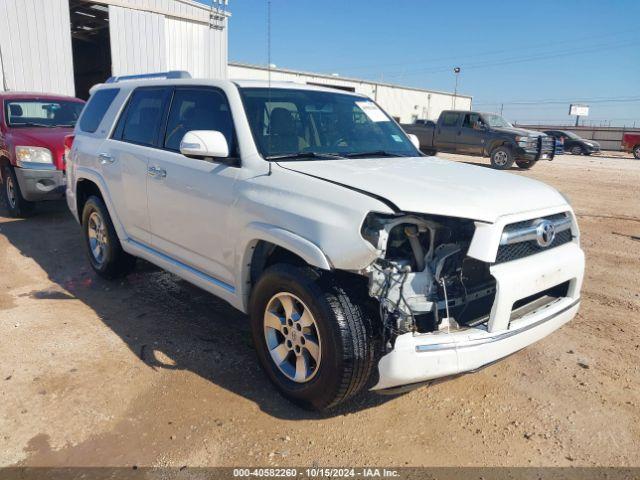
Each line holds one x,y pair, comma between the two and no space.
545,233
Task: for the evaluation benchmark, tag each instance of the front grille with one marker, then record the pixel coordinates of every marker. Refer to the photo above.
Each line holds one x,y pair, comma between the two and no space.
547,144
514,251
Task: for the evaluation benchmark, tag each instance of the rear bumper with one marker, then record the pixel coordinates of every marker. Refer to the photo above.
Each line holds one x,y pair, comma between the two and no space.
421,357
37,185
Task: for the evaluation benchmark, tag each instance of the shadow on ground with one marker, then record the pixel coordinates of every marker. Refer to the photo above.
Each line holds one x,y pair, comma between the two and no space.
154,311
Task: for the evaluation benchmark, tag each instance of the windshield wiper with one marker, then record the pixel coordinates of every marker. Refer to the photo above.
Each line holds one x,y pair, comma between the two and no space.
374,153
301,155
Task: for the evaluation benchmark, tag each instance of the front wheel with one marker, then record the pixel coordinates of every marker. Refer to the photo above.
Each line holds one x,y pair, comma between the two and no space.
502,158
105,253
312,338
636,152
576,150
13,199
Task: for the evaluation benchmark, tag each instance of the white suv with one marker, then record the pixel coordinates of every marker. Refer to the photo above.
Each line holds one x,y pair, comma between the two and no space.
361,262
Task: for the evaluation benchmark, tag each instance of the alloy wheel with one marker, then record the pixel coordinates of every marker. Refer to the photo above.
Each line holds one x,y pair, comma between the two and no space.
500,158
97,233
292,337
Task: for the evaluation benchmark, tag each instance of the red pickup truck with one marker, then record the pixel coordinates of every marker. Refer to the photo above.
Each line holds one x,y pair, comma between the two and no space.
631,143
33,127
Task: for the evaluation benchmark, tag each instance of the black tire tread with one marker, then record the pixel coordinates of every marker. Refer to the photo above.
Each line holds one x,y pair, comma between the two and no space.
122,263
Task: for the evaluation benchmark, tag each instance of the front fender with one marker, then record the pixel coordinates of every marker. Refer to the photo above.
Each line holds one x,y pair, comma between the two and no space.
257,231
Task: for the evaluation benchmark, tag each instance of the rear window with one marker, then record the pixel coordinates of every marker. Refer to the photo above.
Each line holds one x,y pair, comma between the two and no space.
98,105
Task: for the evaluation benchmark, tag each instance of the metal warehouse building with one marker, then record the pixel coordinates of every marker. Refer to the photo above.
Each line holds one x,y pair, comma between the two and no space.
405,104
66,46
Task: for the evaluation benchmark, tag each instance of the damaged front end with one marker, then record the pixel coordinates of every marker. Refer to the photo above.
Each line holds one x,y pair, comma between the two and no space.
423,279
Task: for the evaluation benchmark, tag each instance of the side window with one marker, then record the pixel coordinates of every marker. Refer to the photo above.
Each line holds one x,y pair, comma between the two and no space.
470,119
199,109
450,120
94,111
142,120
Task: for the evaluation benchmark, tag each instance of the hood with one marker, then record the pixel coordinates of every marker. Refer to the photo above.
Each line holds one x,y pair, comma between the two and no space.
435,186
51,138
518,131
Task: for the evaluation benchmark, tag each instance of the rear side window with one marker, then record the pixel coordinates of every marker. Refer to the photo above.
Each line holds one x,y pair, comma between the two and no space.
450,119
94,111
142,121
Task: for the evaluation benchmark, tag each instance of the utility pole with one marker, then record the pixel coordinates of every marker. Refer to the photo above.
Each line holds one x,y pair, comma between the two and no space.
456,71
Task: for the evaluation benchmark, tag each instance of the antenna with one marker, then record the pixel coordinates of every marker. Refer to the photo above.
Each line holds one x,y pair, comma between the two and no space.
269,73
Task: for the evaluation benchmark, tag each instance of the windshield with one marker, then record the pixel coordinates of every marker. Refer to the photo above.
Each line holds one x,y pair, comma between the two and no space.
496,120
309,124
42,113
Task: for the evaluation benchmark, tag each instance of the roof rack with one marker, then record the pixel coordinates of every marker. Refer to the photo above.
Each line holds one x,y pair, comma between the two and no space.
171,75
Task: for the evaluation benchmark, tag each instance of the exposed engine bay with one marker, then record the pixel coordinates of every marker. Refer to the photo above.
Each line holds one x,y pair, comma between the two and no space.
423,279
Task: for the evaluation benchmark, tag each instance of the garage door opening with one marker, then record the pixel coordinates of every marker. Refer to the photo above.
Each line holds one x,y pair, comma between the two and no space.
91,45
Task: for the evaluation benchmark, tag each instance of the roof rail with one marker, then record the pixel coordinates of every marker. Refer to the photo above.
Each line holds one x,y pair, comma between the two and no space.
171,75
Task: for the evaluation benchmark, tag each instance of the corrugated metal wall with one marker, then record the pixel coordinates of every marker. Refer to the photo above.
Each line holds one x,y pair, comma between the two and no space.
35,46
137,41
144,41
196,48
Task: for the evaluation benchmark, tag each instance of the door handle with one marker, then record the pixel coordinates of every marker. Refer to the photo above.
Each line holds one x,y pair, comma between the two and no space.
157,172
106,159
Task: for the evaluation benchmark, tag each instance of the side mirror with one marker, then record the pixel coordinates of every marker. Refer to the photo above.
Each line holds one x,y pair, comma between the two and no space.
415,140
204,143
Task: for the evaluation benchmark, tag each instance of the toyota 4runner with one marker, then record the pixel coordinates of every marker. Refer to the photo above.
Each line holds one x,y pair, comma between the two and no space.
361,262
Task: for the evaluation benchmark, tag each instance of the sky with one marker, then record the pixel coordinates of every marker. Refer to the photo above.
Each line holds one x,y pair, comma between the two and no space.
533,57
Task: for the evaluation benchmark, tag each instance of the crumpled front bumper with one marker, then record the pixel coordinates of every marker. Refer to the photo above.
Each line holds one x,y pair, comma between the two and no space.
418,358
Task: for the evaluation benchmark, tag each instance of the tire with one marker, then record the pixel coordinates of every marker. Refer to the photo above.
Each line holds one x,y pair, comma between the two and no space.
636,152
345,356
18,207
430,153
524,164
577,150
101,241
502,158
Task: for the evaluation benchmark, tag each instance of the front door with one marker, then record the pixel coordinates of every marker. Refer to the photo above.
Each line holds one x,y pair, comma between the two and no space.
191,200
471,137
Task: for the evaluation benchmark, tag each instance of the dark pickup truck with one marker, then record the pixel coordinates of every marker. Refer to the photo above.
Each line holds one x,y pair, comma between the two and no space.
485,134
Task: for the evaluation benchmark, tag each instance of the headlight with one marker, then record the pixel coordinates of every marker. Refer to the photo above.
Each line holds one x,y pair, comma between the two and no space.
33,155
526,142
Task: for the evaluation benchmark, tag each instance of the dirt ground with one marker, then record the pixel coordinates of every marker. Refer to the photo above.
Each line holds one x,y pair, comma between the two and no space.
152,371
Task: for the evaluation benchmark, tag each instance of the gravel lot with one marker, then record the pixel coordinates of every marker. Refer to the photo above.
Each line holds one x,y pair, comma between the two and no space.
152,371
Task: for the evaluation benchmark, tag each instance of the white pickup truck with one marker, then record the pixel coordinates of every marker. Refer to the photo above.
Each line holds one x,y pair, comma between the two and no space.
361,262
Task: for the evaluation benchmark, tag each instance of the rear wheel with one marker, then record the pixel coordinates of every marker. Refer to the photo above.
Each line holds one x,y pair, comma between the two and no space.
312,338
636,151
17,205
101,241
502,158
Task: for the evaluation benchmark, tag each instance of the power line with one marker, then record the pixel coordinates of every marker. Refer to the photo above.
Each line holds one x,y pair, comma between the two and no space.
521,59
456,58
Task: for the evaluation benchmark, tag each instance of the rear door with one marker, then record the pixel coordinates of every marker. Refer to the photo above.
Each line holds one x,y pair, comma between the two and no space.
191,200
125,158
446,136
